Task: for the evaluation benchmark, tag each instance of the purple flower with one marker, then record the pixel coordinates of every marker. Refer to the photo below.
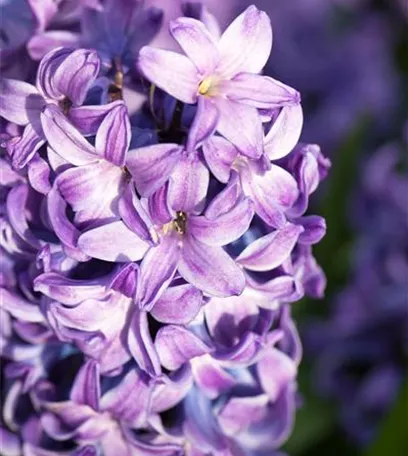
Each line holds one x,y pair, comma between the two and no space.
221,74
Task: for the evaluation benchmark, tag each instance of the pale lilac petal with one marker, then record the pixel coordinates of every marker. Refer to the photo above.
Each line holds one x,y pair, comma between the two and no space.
198,44
240,412
75,75
275,370
113,137
259,91
92,188
280,289
270,251
174,73
86,387
20,102
178,305
22,149
113,242
242,125
39,175
272,192
43,11
315,229
67,291
204,124
20,308
134,215
210,269
246,44
224,229
188,184
65,139
158,205
176,345
219,155
87,119
210,377
285,132
151,166
40,44
141,345
157,269
227,199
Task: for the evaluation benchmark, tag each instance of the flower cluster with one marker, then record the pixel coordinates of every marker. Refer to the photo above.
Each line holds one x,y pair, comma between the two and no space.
148,263
362,350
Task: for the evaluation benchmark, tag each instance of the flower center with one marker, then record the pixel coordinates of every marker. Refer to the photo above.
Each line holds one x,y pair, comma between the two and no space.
205,86
180,222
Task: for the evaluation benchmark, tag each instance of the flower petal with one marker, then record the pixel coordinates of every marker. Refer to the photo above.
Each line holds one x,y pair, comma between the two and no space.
242,125
285,132
20,102
87,119
113,136
178,305
151,166
76,73
204,123
260,91
198,44
157,270
20,308
219,155
65,139
176,345
86,387
188,184
22,149
210,269
315,229
113,242
41,43
246,44
224,229
270,251
174,73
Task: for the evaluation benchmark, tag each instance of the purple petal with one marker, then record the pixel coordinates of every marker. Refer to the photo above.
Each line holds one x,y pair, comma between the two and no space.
67,291
22,149
92,188
210,269
198,44
176,345
20,308
20,102
178,305
260,91
113,137
188,184
141,345
75,75
10,443
40,44
174,73
157,269
113,242
241,124
219,155
283,288
87,119
225,201
240,412
151,166
315,229
158,206
65,139
224,229
210,377
270,251
39,175
204,124
86,387
275,370
134,215
126,280
246,44
272,192
285,132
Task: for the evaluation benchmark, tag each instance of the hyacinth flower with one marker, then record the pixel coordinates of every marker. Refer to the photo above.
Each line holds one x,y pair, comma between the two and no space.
157,256
63,80
221,75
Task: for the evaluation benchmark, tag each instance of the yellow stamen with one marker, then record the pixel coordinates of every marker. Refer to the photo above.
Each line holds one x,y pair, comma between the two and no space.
205,86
